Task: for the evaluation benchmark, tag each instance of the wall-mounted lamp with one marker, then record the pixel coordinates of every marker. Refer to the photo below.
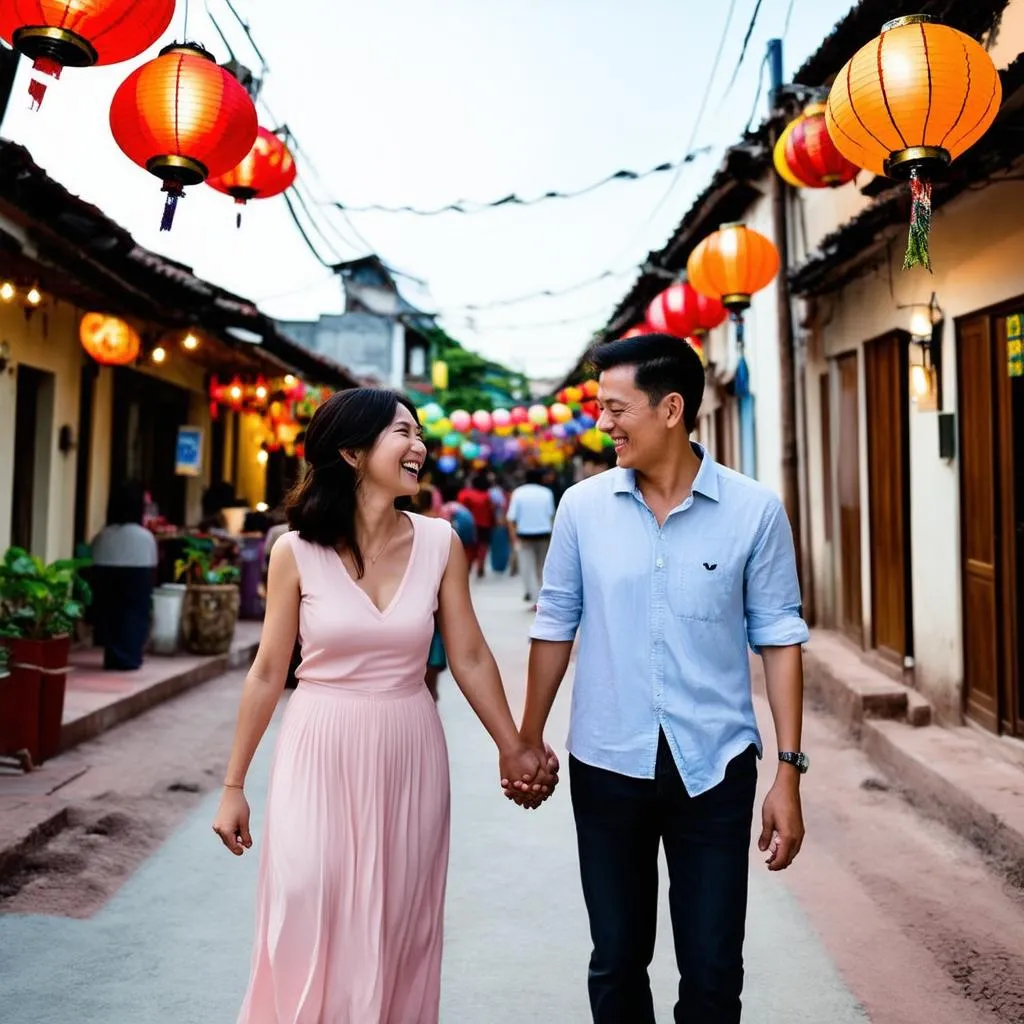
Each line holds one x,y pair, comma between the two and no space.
925,354
159,354
7,292
190,342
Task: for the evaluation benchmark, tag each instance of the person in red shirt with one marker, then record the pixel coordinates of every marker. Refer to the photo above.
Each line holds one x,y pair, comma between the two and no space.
477,499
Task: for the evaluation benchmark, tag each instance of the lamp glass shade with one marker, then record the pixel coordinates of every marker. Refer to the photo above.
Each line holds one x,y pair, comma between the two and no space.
919,86
732,264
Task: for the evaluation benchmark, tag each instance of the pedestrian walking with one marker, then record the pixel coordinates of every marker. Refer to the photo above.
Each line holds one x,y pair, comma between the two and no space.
669,566
355,843
530,515
477,499
500,540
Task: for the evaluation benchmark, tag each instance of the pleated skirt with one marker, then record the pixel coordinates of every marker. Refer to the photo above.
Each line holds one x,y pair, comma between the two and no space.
354,861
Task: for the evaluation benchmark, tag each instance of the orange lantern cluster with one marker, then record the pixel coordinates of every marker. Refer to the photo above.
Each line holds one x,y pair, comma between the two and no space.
56,34
183,118
806,156
267,170
907,104
109,340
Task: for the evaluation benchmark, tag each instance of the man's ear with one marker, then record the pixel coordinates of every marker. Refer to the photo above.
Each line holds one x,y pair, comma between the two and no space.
673,409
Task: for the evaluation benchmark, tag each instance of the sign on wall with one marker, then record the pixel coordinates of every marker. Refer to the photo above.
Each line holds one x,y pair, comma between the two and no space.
188,458
1014,350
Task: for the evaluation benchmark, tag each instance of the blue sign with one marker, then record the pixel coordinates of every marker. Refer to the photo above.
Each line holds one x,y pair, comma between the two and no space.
188,459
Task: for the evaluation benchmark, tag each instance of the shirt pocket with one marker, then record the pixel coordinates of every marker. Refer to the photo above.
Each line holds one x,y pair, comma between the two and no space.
704,588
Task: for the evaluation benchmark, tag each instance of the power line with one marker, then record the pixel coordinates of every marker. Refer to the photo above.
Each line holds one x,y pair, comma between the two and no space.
471,206
743,49
789,14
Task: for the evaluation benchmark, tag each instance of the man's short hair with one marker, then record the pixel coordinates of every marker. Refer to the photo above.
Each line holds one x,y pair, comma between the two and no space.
664,365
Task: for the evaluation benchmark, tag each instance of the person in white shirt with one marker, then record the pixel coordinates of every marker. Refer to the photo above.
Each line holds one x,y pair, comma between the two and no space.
530,516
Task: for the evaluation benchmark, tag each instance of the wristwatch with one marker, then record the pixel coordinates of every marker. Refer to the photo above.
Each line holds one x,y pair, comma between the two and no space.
800,761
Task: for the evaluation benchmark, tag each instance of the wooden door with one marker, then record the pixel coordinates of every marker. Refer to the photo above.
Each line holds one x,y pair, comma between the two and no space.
724,416
851,616
885,371
978,521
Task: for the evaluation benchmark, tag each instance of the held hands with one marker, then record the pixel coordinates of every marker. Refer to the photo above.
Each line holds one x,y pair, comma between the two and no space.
782,833
529,774
231,821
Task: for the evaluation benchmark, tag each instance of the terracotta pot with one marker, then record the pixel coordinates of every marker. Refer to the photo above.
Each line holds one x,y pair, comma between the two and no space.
53,687
208,618
20,697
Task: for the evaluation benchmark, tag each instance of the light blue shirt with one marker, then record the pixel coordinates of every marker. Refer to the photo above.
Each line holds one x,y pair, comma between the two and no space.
665,615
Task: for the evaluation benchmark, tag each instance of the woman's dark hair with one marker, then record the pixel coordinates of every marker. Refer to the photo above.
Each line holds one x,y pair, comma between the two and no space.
322,507
127,504
450,489
663,366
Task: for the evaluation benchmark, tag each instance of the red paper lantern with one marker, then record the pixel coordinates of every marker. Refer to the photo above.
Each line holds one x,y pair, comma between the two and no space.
519,416
183,118
590,388
56,34
811,155
267,170
108,340
680,310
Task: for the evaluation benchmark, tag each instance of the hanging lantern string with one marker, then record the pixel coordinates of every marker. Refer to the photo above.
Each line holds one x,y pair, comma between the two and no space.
920,224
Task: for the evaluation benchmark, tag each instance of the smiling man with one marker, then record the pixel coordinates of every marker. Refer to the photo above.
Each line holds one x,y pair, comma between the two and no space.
669,566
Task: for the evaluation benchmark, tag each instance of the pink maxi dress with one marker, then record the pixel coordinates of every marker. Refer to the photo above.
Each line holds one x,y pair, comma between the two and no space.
354,854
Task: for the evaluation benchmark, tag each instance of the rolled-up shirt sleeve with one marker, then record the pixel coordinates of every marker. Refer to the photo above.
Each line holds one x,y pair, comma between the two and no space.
772,588
560,604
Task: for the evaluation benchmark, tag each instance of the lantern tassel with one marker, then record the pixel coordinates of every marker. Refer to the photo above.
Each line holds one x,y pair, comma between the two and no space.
174,192
920,224
37,89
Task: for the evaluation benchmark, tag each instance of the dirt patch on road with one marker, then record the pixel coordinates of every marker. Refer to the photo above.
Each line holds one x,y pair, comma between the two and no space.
142,779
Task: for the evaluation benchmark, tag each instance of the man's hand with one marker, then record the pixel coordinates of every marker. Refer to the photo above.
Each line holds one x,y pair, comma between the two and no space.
782,833
529,775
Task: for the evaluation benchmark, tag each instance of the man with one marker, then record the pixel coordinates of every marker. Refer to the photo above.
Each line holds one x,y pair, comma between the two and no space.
530,515
670,565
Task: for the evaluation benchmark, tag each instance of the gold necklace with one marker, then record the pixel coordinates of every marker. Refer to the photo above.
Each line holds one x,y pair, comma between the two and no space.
375,558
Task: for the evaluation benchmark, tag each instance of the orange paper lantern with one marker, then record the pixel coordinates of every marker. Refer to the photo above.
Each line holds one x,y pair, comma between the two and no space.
184,119
109,340
909,103
56,34
732,264
267,170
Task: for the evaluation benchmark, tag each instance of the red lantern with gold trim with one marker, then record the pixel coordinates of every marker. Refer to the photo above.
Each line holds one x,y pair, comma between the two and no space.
811,155
183,118
109,340
267,170
58,34
681,310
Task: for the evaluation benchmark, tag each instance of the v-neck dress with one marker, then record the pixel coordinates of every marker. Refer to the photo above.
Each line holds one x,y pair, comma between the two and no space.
354,854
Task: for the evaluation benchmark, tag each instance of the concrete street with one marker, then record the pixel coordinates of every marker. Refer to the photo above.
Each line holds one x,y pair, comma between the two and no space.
859,929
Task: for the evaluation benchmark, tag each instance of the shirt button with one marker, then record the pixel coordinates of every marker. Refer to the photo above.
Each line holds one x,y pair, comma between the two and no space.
660,563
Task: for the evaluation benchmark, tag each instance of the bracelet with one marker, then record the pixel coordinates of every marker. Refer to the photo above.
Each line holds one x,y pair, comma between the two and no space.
229,785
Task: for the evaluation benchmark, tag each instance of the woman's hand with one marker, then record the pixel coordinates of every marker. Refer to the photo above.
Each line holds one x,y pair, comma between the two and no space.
231,821
529,775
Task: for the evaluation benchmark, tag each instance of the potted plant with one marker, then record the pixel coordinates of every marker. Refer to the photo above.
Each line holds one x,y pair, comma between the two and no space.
39,606
210,610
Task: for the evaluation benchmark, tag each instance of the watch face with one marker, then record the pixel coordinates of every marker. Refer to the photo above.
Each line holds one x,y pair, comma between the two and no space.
803,762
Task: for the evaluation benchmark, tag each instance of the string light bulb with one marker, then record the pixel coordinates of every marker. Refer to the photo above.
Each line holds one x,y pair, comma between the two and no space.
34,296
261,392
7,291
236,392
289,380
191,342
262,456
159,354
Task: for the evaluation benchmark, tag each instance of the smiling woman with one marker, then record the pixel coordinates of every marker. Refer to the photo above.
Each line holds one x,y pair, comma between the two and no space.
362,436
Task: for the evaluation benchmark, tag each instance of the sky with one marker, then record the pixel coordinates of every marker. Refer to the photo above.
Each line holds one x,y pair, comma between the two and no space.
402,102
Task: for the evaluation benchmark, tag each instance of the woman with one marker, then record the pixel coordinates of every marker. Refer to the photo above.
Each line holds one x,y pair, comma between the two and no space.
124,560
355,852
476,497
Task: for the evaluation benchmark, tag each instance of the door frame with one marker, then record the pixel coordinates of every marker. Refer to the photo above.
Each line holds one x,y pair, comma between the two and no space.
900,340
1009,712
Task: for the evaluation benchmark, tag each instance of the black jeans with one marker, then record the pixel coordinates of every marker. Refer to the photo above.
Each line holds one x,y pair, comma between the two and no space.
620,822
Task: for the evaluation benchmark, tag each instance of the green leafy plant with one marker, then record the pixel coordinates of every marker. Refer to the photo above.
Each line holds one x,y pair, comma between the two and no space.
40,601
200,564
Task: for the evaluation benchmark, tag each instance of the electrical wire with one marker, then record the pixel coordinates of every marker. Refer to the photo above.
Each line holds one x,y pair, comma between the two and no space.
789,14
471,206
757,96
743,49
248,34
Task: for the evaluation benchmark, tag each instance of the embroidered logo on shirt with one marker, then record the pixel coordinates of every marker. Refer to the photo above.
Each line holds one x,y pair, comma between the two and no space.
711,567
